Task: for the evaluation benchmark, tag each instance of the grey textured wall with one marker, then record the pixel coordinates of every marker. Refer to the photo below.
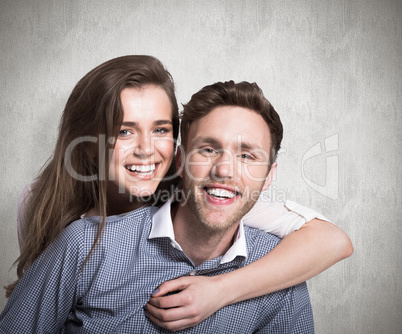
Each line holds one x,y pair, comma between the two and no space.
332,69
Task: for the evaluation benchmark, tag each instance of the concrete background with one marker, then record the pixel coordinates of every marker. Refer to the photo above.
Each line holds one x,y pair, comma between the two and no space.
332,69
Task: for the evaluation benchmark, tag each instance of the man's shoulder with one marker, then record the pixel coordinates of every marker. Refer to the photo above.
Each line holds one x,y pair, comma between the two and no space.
84,230
259,242
72,234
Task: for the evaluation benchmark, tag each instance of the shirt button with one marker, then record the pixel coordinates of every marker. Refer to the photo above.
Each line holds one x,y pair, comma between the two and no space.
173,245
193,273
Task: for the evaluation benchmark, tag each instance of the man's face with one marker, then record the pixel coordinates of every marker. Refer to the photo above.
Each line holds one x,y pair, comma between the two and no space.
225,165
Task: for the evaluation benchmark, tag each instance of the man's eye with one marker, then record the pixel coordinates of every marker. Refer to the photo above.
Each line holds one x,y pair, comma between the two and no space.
246,156
207,151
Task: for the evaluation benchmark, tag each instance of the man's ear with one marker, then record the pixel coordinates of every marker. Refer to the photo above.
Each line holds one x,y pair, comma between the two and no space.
180,158
270,176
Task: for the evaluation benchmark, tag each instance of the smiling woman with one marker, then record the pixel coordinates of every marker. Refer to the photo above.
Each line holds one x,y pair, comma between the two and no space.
135,90
143,151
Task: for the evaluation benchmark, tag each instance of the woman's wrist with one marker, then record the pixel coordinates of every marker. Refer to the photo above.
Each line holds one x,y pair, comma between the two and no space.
231,288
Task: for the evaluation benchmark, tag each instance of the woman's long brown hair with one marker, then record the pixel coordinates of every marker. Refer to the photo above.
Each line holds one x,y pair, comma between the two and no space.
75,178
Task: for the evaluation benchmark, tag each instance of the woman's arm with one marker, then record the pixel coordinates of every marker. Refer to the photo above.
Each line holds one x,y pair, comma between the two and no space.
299,256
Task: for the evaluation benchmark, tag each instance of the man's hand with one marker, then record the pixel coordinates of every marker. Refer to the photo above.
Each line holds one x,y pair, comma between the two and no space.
197,299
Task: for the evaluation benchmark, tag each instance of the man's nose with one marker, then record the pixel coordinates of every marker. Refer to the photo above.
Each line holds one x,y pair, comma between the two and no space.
224,166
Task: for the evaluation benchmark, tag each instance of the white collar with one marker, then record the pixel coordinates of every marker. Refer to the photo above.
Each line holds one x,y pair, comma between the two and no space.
162,227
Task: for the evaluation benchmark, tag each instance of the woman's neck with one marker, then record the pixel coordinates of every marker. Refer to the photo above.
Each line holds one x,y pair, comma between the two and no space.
119,203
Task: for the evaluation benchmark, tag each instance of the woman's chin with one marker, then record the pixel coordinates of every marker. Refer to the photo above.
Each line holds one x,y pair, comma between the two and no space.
144,193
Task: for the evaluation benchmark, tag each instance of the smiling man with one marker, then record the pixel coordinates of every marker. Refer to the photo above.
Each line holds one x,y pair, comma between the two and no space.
226,170
230,138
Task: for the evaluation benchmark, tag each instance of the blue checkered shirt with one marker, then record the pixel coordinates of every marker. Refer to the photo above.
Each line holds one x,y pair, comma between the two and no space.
108,293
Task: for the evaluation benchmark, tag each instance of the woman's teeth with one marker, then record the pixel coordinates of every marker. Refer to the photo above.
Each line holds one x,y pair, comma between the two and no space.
142,169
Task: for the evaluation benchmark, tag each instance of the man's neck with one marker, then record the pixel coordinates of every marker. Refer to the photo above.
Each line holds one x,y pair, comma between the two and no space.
198,242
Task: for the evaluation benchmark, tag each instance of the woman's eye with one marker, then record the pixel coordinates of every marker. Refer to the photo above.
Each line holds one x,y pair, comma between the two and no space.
124,133
161,130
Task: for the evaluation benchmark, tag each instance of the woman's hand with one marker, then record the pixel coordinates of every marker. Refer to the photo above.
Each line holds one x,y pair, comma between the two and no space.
195,298
298,257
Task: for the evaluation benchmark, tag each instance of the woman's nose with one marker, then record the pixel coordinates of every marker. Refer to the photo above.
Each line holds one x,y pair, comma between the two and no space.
145,147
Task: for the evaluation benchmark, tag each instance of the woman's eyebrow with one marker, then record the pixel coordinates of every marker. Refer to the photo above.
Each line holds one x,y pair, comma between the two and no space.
157,122
129,124
162,122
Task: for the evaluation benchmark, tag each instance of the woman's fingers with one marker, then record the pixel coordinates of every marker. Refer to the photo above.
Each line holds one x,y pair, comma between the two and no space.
174,325
172,286
189,301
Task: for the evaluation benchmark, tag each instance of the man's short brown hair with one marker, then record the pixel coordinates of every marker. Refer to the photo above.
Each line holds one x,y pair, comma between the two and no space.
242,94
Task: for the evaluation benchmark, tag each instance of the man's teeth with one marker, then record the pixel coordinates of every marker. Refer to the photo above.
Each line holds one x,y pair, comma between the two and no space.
143,169
222,193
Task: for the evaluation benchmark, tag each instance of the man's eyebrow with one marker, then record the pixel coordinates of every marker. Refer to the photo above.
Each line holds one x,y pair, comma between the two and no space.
242,145
248,146
205,140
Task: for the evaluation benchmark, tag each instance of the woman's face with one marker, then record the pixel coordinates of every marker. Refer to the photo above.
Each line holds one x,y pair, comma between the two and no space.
144,147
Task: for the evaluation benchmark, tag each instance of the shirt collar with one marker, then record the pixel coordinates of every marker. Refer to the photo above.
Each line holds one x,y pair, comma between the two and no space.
239,247
162,227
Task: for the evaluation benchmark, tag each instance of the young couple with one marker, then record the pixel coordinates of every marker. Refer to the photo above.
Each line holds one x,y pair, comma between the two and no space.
96,256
